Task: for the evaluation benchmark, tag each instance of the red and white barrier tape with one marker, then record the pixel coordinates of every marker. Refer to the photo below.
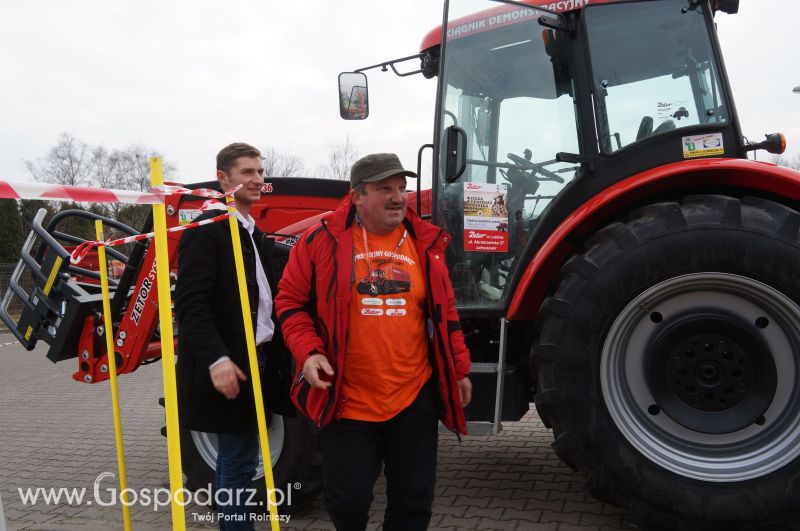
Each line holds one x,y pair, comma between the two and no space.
58,192
165,190
83,249
80,252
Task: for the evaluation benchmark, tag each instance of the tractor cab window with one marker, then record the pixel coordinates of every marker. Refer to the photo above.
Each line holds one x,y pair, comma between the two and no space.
508,85
653,70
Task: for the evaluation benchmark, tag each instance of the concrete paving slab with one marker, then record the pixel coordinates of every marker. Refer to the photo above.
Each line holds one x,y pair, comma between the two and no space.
56,432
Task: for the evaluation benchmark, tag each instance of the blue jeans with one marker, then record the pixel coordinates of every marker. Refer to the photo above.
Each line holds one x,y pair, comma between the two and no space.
236,465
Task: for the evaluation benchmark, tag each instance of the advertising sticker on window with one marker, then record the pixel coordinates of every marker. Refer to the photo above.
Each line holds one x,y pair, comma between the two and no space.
486,217
703,145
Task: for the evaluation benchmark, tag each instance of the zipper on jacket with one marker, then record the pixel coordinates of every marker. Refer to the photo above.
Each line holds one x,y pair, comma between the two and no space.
335,263
335,340
437,332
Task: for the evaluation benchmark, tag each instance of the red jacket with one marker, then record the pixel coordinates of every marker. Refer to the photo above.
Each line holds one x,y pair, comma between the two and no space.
313,303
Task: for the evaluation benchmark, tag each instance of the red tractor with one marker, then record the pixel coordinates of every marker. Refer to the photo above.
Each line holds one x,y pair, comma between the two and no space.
645,292
640,282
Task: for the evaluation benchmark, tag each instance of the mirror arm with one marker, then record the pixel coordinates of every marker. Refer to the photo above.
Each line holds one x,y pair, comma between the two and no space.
385,65
556,21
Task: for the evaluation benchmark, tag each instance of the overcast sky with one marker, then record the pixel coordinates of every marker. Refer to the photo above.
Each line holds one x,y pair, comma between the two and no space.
186,78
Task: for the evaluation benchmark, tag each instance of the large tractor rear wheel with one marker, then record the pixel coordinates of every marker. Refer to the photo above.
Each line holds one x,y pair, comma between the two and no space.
668,364
294,452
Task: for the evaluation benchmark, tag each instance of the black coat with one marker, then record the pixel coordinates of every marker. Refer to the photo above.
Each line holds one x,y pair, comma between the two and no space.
210,325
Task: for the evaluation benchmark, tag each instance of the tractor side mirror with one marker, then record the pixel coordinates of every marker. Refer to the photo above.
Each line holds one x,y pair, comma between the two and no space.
456,154
353,96
730,7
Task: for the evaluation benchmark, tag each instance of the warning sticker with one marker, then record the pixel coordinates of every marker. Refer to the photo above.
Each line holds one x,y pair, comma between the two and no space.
703,145
187,216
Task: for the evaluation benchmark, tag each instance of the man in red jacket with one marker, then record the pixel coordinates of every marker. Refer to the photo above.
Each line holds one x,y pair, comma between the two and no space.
367,309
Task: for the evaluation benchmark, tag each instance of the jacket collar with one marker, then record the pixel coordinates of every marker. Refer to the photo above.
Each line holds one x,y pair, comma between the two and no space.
341,219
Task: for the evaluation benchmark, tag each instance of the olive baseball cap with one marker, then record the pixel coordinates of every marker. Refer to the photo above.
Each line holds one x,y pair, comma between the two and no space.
377,167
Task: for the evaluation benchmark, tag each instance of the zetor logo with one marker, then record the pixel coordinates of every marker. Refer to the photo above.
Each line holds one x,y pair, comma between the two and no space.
144,293
473,234
473,186
266,188
371,311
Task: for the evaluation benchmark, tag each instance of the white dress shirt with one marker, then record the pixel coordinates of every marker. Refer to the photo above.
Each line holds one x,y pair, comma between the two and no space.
265,328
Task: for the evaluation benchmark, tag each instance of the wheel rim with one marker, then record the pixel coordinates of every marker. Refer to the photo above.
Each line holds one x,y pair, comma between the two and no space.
206,445
745,435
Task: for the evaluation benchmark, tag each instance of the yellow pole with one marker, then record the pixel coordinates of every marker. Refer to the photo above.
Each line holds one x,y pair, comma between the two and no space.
168,353
254,374
112,372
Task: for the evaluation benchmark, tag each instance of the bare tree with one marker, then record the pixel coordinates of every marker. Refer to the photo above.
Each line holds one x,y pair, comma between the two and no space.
282,164
133,167
781,160
73,162
341,156
69,162
132,172
104,167
103,174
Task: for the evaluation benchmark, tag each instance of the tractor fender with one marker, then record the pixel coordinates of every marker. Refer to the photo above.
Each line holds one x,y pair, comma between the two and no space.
634,191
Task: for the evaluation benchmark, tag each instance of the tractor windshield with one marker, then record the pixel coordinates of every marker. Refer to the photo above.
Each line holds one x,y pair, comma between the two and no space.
507,83
653,70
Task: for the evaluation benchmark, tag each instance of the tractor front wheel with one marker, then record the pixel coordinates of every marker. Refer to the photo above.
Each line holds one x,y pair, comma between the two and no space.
294,452
668,364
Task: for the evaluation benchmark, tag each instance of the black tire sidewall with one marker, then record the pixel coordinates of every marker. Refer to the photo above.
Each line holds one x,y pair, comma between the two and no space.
621,474
297,472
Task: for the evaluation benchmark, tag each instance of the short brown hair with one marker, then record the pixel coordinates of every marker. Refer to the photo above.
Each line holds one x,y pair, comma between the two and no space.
228,155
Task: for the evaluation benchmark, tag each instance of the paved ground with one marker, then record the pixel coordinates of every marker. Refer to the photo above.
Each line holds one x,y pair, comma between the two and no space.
55,432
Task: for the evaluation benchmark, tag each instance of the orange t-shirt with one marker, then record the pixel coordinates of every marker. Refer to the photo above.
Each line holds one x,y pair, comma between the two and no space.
386,356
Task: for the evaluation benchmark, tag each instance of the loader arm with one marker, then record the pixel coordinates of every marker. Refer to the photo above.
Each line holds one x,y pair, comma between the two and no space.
52,300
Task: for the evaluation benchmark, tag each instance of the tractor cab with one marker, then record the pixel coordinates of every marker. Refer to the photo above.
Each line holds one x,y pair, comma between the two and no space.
539,110
544,109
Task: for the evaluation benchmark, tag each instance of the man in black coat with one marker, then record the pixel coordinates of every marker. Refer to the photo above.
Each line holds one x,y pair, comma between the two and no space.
214,385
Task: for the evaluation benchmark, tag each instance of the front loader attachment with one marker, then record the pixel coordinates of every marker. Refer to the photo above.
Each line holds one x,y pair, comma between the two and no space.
48,297
59,302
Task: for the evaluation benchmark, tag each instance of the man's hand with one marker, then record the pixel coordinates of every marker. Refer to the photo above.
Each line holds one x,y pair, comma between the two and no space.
225,376
312,368
465,390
